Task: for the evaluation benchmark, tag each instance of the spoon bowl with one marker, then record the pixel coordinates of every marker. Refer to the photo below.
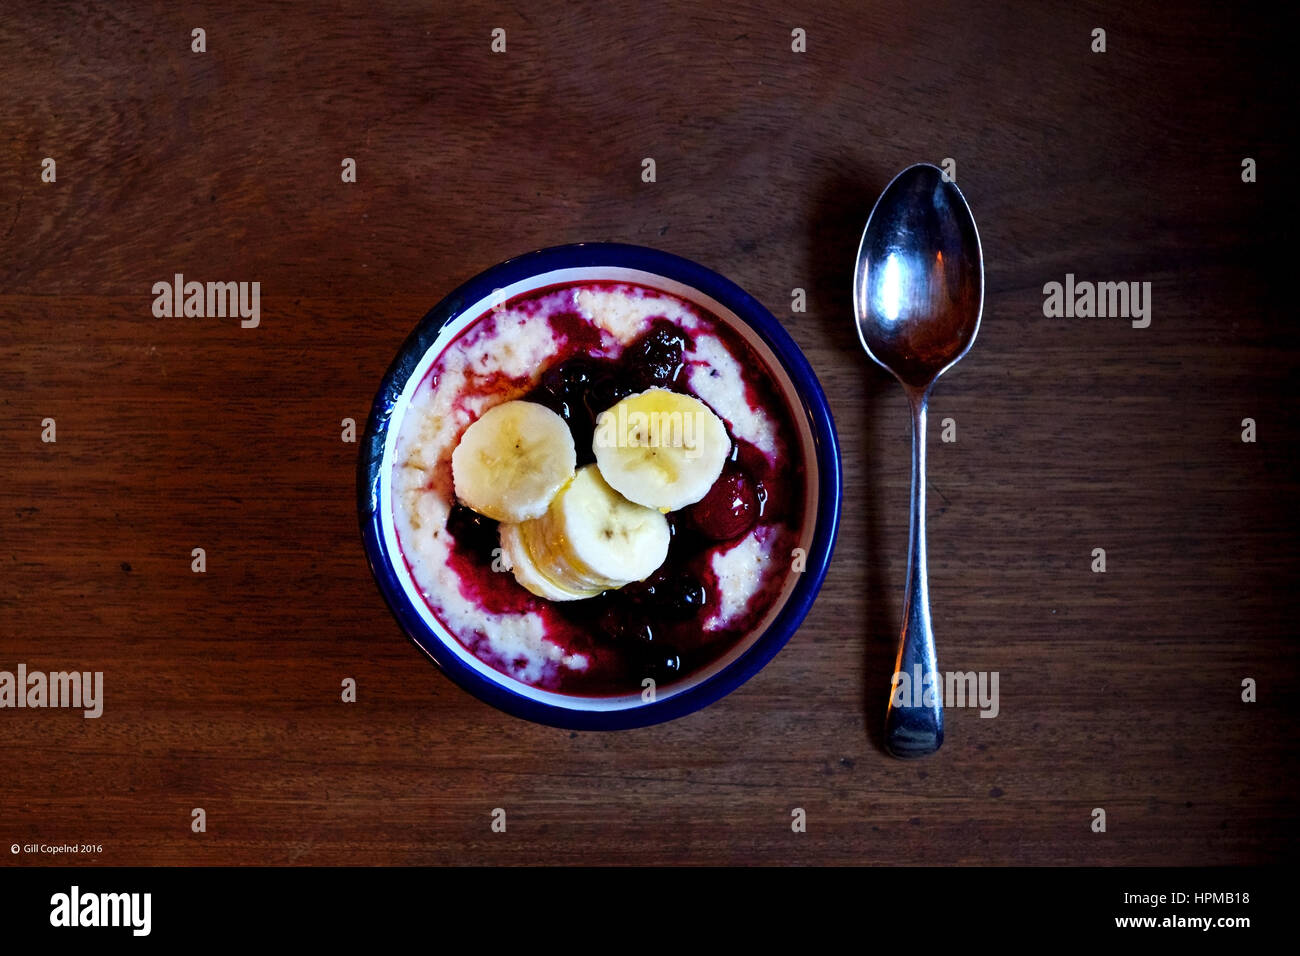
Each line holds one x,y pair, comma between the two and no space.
918,290
918,295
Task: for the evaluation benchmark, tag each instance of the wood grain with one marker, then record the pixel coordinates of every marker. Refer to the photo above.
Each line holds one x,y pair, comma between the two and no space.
1118,690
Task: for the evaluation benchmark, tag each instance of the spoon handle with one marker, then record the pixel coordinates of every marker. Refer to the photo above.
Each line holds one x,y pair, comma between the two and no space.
914,721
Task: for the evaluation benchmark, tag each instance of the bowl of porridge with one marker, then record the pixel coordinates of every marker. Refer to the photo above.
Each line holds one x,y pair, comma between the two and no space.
599,486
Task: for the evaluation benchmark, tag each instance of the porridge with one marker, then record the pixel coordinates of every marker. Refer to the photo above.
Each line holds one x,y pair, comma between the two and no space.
597,483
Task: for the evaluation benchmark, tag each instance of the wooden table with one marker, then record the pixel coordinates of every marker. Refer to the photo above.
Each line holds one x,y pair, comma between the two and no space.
1120,690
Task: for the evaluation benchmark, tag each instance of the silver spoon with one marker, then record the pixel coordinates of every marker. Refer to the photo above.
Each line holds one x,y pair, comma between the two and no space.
918,293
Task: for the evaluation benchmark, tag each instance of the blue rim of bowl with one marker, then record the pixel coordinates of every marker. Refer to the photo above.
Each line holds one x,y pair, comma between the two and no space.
815,407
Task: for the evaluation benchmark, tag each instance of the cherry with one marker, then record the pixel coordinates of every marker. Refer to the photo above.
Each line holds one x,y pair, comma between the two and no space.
473,530
656,357
731,507
565,390
607,388
562,386
570,378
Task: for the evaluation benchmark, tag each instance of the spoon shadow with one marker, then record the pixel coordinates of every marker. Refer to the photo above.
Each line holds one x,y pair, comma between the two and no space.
843,204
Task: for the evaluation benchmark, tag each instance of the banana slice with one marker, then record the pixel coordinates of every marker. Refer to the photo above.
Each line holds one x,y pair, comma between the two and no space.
590,540
660,448
546,549
528,574
596,536
511,462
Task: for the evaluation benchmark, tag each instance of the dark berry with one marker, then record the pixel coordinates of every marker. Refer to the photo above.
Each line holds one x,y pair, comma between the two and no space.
684,596
665,663
681,596
565,389
562,387
658,660
544,396
627,628
730,508
638,592
587,613
570,378
552,401
673,595
606,390
656,358
472,530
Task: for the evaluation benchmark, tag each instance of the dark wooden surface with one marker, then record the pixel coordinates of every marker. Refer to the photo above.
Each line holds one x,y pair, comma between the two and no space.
1118,690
